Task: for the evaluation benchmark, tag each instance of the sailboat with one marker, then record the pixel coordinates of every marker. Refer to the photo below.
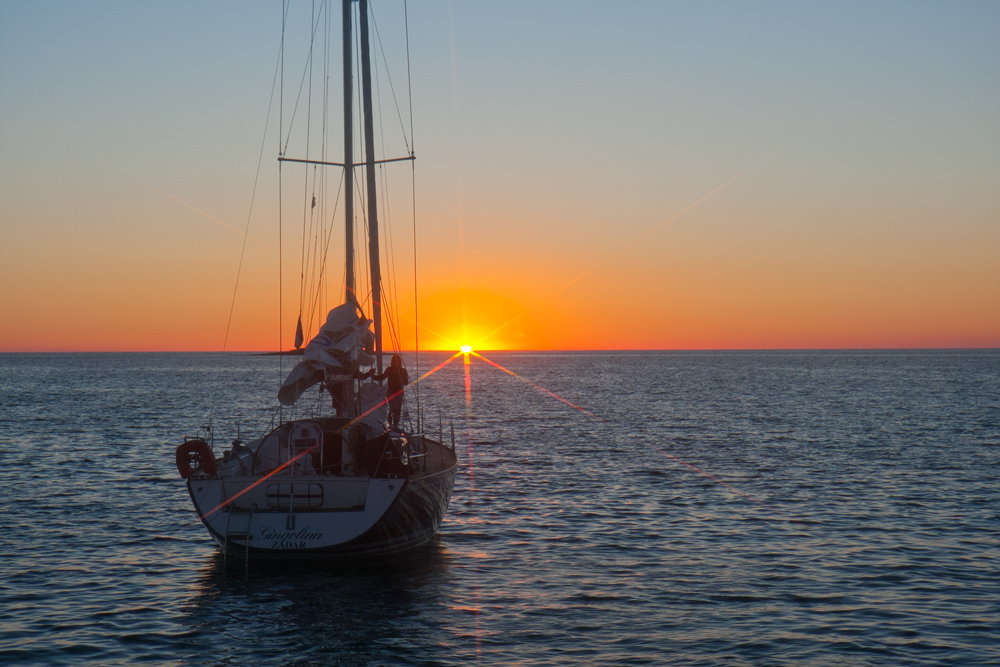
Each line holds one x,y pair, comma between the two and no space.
339,482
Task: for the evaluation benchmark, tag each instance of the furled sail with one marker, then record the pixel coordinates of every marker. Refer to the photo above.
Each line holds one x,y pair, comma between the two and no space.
342,345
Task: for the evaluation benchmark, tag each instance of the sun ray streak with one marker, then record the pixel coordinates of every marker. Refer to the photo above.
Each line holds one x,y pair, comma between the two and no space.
438,367
602,262
258,482
719,481
345,426
663,223
192,207
539,388
466,352
653,447
468,422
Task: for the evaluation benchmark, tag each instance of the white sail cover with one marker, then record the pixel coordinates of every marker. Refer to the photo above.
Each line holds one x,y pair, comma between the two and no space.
334,354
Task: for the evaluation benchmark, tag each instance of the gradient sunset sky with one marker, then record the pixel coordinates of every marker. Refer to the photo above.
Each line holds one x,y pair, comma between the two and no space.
590,175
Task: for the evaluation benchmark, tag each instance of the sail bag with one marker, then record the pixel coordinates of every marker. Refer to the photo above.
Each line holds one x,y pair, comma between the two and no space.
334,354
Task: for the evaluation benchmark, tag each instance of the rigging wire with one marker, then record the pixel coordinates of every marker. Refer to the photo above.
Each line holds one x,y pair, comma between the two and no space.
314,206
390,301
302,83
281,106
305,184
359,181
392,89
315,305
413,197
364,218
315,232
312,278
322,290
316,228
394,292
246,232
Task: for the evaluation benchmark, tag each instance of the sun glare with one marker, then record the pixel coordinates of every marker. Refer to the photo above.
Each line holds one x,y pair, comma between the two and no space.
466,349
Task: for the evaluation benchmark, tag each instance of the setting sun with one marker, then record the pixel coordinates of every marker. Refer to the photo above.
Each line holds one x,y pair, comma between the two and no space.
475,319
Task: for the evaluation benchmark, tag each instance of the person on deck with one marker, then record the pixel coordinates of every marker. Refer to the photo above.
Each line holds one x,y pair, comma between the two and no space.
342,393
397,378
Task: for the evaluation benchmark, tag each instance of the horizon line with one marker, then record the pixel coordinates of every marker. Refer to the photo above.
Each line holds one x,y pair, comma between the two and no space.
536,351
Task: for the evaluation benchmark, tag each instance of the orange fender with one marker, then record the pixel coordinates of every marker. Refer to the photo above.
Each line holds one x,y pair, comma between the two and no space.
195,454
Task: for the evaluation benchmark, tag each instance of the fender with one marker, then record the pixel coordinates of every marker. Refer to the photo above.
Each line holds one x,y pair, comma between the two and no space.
198,453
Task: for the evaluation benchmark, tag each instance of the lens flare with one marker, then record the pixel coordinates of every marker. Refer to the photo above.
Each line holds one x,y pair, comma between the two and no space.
467,353
258,482
653,447
345,426
468,421
539,388
719,481
606,258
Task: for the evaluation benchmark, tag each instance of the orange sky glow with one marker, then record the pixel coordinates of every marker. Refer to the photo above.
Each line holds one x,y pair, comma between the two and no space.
748,184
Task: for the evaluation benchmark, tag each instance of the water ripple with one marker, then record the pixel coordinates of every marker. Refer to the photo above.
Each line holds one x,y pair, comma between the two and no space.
869,536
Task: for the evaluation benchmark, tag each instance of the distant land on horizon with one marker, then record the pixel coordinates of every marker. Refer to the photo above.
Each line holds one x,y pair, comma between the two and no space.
263,353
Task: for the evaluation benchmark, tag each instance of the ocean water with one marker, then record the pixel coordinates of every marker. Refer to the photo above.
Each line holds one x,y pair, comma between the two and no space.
738,508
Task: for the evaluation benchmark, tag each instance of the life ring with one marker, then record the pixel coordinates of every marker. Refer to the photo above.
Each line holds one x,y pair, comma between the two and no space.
202,456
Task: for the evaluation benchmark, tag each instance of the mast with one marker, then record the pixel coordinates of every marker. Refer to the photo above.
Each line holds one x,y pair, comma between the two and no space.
373,249
349,294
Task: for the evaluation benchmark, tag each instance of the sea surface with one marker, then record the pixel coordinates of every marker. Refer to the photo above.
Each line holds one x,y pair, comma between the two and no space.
699,508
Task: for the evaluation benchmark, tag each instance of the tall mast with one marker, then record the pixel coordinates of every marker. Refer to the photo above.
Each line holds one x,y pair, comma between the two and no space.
349,294
373,250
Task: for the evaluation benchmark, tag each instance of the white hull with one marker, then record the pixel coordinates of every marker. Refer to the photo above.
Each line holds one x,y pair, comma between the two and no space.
335,485
393,501
354,520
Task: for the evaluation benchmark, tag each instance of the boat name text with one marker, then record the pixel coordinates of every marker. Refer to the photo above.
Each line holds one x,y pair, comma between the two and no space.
290,539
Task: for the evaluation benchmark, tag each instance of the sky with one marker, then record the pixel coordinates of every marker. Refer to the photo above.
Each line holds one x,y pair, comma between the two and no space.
589,175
